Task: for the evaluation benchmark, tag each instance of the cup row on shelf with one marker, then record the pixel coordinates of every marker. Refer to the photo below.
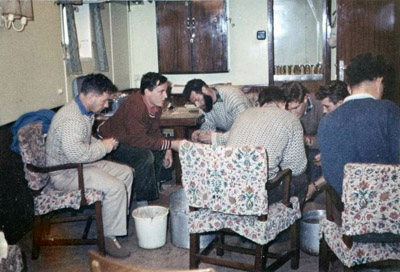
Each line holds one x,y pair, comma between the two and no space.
303,69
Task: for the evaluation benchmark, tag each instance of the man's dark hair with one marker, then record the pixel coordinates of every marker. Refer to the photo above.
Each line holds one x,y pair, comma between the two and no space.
193,85
271,94
151,80
97,83
366,67
336,92
294,91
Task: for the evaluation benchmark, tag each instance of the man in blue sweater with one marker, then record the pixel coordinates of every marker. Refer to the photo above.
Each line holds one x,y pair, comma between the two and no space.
364,129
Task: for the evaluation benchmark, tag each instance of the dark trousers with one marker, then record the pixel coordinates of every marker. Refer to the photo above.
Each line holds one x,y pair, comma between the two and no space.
147,165
298,187
313,171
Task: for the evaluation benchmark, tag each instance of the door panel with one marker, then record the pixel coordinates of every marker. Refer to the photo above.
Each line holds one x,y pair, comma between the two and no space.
192,36
172,26
369,26
210,36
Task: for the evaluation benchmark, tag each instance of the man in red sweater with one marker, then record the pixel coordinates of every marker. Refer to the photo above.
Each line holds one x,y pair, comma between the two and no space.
136,125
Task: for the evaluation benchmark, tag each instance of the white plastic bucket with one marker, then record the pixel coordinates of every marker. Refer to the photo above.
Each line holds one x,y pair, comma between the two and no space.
151,226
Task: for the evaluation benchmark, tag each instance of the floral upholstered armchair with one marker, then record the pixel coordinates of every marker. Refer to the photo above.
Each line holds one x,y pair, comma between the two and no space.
226,190
47,199
370,228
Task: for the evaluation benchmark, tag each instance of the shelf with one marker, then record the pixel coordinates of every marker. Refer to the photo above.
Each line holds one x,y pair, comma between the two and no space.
310,77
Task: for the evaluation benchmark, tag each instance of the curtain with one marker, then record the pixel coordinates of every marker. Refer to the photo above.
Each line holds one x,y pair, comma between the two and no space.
72,2
73,62
98,35
19,8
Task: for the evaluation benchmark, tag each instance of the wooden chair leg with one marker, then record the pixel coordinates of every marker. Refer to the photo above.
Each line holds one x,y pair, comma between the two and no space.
260,257
194,250
347,269
99,228
221,241
45,224
36,236
323,255
87,227
295,245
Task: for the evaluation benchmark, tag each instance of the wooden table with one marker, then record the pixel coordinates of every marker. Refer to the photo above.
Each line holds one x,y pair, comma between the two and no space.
182,121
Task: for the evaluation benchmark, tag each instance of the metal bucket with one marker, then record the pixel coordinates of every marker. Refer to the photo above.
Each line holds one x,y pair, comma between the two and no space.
179,210
309,231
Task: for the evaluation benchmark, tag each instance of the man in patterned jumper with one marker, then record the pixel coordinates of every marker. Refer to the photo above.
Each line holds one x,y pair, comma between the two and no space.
70,140
331,97
222,105
365,128
309,110
136,125
280,133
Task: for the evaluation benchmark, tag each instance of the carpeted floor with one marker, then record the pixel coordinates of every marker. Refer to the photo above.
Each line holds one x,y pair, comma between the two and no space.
74,258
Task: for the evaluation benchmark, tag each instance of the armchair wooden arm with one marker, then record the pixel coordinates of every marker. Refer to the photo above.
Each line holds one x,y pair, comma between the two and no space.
284,176
78,166
333,202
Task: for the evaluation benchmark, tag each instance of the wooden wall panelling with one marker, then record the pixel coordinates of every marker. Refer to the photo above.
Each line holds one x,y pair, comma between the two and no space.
369,26
172,26
210,41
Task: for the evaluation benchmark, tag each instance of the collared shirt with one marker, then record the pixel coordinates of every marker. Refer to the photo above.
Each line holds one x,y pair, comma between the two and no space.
358,96
219,98
152,110
309,106
82,107
230,102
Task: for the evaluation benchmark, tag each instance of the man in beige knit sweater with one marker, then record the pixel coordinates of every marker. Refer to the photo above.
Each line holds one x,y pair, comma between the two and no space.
70,140
280,133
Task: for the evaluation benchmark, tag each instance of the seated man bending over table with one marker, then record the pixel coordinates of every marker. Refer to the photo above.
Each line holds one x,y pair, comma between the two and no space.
136,125
331,97
366,128
280,133
222,105
309,110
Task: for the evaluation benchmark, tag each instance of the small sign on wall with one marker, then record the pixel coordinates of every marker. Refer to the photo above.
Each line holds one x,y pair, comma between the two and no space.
261,35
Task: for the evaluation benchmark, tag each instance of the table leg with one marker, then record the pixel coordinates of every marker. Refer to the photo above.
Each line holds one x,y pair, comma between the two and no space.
180,133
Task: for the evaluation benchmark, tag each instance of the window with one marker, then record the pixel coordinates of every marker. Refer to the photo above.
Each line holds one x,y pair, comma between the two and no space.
83,29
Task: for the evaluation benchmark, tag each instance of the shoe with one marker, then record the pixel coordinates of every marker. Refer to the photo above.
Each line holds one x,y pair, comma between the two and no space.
113,248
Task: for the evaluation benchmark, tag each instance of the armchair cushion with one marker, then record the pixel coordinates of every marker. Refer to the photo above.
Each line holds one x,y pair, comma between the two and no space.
371,197
214,178
33,151
359,253
14,261
280,217
54,200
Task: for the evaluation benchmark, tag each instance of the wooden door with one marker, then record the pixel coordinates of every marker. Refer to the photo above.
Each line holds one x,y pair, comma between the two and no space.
369,26
209,52
192,36
173,31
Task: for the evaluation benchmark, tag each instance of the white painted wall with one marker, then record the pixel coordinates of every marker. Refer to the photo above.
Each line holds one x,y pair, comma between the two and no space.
31,64
31,61
248,57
